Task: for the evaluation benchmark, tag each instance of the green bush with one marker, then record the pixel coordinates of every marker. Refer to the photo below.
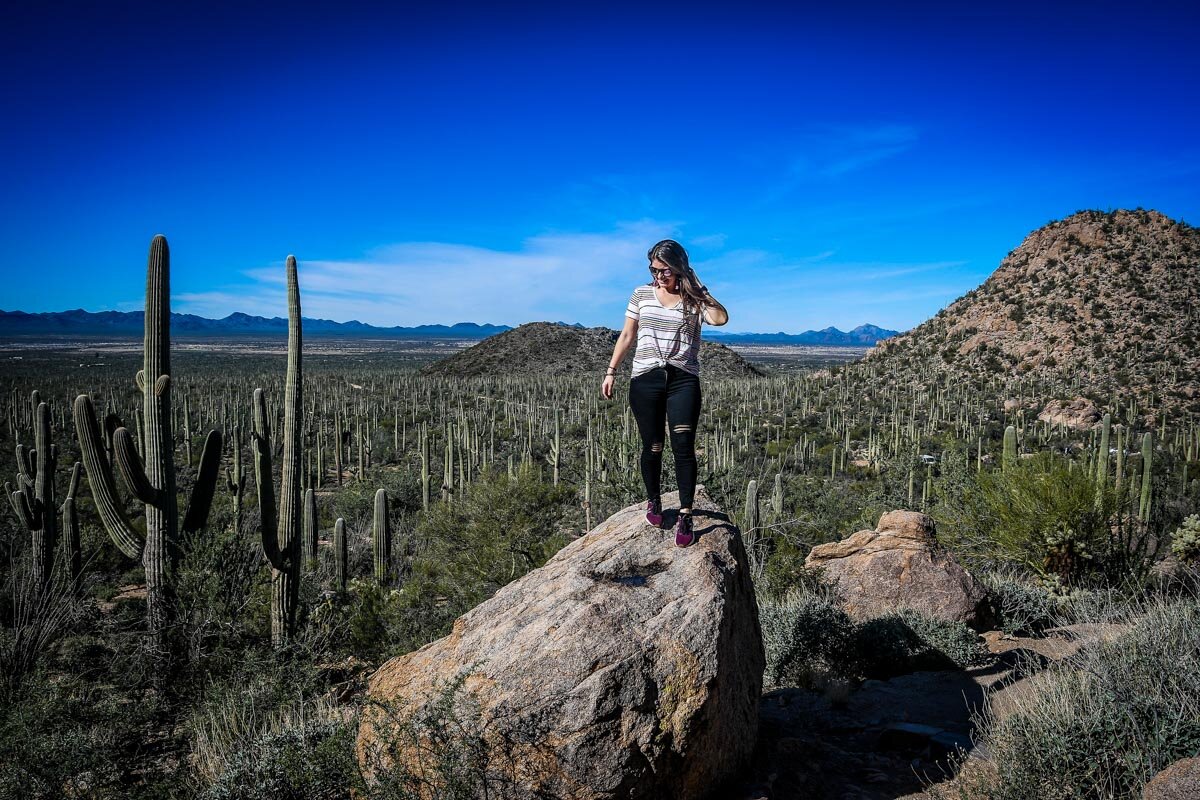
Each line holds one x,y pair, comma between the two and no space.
1048,515
908,641
806,638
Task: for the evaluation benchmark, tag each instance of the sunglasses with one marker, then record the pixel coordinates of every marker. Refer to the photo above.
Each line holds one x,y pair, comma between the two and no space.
660,273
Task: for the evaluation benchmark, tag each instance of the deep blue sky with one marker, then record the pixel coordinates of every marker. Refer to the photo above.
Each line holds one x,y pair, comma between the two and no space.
865,164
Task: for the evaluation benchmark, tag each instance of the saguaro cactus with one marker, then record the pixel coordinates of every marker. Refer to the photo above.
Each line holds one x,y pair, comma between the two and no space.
1147,476
340,552
381,535
1009,459
151,481
281,528
1102,453
235,479
33,499
750,514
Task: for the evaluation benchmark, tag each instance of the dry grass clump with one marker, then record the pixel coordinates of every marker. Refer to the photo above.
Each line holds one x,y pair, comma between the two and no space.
1102,723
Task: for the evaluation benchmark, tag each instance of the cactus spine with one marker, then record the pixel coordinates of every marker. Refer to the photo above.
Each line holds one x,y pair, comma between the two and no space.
152,480
33,499
281,527
381,536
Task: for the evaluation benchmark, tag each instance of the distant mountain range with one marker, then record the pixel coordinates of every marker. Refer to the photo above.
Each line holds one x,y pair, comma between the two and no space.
863,336
130,323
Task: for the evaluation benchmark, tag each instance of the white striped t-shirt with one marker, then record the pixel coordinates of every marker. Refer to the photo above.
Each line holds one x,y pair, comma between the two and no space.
664,335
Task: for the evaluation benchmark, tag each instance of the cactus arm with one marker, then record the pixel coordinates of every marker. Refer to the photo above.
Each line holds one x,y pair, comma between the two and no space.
260,451
309,526
20,504
25,466
71,486
130,465
104,488
12,495
206,484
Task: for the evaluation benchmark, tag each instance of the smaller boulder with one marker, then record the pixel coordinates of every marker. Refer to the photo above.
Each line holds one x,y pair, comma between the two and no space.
1179,781
900,565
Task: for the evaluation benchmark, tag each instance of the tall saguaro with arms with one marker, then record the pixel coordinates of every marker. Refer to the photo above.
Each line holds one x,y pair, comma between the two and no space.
152,480
281,528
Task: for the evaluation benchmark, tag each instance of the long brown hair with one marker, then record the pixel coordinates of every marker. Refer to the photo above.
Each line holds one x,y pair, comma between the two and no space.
671,253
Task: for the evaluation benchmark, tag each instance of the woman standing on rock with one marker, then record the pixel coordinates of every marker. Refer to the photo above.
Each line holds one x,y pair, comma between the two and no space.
664,318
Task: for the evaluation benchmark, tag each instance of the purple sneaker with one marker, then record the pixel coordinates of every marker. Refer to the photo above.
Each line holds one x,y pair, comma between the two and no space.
654,513
684,535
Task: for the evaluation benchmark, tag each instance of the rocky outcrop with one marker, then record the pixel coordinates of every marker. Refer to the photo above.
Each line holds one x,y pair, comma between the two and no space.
900,565
1079,414
624,668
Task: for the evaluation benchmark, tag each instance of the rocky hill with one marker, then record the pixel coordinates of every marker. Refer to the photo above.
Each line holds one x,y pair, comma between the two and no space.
1100,304
544,348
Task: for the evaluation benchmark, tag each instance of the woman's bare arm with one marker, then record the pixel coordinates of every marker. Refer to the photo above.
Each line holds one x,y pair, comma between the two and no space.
624,341
714,312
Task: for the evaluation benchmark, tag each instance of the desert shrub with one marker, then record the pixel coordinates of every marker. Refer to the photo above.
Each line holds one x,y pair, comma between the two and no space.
253,728
908,641
215,582
62,737
307,759
34,620
784,568
806,638
499,529
1023,605
953,640
809,640
1100,724
1185,543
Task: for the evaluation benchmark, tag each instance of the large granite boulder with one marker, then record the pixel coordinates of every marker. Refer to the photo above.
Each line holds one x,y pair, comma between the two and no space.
900,565
625,667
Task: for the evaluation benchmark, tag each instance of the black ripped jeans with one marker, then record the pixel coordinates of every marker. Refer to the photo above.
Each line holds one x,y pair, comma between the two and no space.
658,397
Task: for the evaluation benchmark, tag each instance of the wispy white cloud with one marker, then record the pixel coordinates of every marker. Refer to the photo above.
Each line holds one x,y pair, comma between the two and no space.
558,275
